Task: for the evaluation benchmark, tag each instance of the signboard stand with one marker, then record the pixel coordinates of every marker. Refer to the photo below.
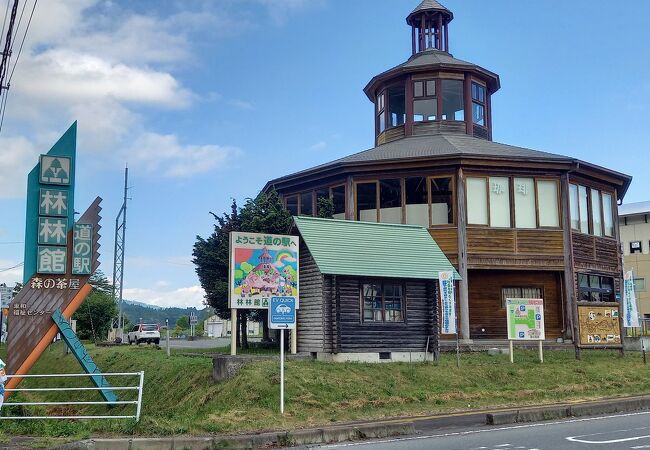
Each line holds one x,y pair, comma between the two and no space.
282,316
525,322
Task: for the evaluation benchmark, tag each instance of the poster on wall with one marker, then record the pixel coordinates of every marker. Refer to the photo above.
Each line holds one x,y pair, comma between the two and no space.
599,325
525,317
630,310
448,303
262,266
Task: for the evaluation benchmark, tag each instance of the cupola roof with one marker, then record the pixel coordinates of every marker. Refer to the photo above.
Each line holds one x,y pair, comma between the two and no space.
429,6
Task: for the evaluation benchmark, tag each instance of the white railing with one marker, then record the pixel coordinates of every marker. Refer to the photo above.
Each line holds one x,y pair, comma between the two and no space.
137,403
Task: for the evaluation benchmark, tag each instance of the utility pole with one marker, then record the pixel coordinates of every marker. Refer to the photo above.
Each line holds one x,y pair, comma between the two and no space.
118,256
6,53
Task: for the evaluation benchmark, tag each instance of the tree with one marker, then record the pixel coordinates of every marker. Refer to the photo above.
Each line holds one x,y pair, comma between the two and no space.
95,316
183,322
17,288
325,207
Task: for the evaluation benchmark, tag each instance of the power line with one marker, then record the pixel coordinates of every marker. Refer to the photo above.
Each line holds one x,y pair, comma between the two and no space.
11,268
20,49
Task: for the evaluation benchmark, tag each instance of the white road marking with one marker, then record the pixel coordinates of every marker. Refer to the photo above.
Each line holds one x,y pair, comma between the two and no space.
641,446
608,441
487,430
503,445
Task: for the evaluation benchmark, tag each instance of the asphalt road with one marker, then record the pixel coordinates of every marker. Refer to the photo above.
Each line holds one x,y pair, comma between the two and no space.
622,431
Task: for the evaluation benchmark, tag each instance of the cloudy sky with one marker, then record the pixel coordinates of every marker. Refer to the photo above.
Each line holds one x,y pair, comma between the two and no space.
207,100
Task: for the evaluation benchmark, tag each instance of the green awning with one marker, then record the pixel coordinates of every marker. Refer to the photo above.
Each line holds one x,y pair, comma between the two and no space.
345,247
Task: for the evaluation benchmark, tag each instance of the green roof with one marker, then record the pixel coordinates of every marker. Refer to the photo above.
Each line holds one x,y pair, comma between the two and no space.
345,247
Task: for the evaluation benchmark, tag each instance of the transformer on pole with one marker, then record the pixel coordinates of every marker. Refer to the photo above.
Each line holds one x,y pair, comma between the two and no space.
118,256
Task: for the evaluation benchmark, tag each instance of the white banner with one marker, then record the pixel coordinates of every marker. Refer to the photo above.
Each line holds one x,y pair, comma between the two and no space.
630,311
448,302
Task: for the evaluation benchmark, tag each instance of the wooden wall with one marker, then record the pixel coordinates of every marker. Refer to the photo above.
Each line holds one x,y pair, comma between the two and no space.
447,240
516,249
352,335
486,309
309,321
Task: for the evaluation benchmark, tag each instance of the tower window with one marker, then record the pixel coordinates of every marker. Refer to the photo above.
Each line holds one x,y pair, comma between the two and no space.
396,106
425,103
381,111
478,104
453,107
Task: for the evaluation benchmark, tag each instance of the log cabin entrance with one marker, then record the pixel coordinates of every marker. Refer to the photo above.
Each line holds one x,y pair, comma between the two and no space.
488,290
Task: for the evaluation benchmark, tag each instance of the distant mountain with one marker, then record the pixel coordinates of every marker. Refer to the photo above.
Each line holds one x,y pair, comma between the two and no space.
138,311
146,305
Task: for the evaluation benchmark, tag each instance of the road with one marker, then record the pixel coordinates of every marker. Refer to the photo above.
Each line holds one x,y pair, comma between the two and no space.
621,431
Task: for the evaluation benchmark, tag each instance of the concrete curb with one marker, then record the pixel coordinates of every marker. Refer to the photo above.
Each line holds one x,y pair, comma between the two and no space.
561,412
262,440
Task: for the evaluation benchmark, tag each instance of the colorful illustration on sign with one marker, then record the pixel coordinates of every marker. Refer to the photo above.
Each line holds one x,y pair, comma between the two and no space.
262,266
599,325
525,319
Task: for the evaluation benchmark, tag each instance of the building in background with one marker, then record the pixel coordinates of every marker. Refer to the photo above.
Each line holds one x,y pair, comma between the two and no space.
515,222
635,239
214,327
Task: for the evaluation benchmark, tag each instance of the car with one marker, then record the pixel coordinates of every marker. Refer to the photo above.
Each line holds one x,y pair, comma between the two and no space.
145,332
283,309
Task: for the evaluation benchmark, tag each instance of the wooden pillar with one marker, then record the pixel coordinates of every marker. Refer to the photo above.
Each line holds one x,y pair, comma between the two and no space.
463,285
439,40
422,34
349,201
570,302
467,94
413,40
408,125
488,112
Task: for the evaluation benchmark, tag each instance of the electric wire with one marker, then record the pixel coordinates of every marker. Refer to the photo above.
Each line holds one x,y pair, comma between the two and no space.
20,49
11,268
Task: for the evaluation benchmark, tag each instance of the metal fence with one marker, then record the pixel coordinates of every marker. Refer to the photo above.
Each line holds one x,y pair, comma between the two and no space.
137,403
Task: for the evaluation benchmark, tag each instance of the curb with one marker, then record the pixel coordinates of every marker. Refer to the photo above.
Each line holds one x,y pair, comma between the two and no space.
561,412
263,440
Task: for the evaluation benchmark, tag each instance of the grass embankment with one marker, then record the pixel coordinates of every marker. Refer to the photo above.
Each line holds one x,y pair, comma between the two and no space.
180,397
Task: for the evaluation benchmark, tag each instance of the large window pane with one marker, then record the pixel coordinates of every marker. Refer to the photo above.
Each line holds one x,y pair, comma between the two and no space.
338,198
442,201
390,201
499,202
367,202
306,204
393,302
425,109
596,212
584,209
477,198
396,106
573,205
452,100
417,204
608,215
371,303
525,203
292,205
549,215
478,114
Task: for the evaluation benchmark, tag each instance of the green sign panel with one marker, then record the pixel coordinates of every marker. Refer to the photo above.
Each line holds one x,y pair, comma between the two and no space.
82,249
55,170
51,259
53,202
525,318
52,231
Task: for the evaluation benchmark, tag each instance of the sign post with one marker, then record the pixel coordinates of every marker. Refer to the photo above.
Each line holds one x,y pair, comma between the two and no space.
282,316
525,318
194,319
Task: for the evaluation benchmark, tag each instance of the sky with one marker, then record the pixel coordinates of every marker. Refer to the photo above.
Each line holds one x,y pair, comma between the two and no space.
208,100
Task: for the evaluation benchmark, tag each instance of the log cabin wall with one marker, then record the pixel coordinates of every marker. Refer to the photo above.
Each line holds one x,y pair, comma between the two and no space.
312,310
352,335
486,305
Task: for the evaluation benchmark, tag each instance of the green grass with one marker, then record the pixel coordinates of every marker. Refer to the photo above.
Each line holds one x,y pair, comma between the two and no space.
180,397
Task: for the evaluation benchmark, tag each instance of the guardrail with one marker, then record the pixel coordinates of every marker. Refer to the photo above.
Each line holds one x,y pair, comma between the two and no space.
137,402
642,330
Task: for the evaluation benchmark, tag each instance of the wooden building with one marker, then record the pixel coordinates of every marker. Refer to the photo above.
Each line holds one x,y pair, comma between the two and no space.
368,291
515,222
